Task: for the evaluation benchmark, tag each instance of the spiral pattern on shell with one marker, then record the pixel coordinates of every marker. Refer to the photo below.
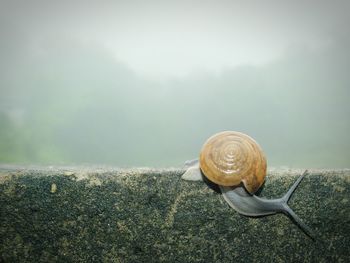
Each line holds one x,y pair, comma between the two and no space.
229,158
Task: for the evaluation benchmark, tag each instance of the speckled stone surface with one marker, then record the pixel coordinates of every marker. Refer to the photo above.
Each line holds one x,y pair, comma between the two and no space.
95,214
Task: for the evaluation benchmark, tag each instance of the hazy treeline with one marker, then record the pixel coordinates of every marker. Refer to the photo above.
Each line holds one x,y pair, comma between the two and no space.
75,103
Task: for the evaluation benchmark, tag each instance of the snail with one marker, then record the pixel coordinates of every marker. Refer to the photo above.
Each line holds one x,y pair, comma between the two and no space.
237,164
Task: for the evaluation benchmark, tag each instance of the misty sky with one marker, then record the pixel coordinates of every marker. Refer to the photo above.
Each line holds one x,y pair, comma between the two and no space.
146,82
174,38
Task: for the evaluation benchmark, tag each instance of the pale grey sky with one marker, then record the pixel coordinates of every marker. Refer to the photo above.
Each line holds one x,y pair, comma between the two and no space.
162,39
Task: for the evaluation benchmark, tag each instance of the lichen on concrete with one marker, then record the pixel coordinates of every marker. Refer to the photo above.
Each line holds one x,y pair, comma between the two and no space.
152,215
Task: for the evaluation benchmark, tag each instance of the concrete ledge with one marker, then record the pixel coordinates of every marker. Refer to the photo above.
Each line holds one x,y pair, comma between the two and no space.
152,215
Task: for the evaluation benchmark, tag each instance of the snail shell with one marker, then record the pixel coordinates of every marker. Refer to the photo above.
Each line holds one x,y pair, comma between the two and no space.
229,158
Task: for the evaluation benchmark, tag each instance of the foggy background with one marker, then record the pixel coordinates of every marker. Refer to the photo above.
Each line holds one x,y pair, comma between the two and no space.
145,83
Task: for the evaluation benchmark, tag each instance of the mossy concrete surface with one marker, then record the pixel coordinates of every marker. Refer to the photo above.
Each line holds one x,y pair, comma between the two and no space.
92,214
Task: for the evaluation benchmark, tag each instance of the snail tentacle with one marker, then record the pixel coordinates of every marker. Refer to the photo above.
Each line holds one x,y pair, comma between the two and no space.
291,190
307,230
287,210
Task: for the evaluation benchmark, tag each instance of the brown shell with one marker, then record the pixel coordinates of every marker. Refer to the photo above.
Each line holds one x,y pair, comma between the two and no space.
229,158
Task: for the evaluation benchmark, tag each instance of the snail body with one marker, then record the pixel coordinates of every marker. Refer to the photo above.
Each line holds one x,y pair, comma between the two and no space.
237,164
